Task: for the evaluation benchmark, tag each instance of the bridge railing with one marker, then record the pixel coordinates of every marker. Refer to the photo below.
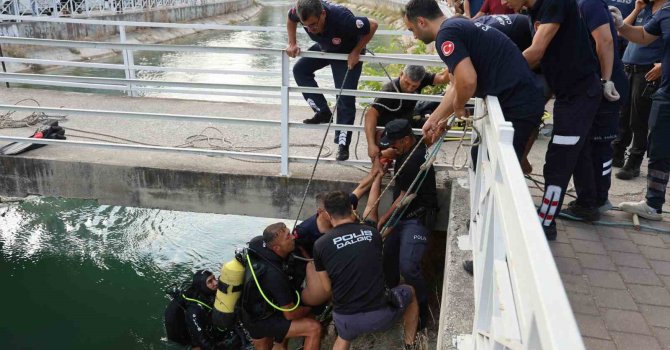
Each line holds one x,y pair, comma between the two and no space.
57,8
282,92
520,302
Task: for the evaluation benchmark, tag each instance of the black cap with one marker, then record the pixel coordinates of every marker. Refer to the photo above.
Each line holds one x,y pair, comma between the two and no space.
395,130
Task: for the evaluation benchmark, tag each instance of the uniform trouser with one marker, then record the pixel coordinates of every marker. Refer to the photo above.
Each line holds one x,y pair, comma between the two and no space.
403,252
593,171
523,128
634,118
303,72
659,151
573,117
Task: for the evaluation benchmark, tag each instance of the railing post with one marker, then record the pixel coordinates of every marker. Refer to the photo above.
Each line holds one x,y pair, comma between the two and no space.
284,171
128,61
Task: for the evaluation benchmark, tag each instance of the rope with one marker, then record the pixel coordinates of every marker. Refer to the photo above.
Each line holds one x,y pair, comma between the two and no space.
6,121
318,157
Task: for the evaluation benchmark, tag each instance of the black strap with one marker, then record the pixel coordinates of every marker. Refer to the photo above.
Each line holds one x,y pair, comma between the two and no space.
223,287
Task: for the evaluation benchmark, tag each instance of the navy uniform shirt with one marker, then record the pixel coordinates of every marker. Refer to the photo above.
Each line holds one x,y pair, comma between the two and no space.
644,54
475,6
516,27
342,30
625,6
501,69
659,25
569,58
398,108
596,14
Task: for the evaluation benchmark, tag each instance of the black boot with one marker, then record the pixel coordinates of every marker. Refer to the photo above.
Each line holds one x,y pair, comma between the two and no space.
618,157
342,153
579,212
631,169
319,118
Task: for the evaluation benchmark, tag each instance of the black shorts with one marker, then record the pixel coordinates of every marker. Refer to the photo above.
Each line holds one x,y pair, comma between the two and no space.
351,326
275,326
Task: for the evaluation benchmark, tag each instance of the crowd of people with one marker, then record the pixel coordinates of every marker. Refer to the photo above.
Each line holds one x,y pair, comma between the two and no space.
603,66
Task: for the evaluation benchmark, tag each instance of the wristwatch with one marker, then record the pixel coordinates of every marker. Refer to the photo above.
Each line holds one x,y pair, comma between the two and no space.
603,81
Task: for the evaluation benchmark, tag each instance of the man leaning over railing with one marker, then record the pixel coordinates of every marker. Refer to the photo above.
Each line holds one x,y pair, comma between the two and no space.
335,29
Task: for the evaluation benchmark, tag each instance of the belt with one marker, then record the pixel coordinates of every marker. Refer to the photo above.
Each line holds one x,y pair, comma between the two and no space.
637,68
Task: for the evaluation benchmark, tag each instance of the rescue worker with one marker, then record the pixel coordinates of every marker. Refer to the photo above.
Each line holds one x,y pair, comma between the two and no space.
626,7
408,239
593,172
562,47
481,62
412,80
268,306
336,30
659,119
643,70
348,259
188,319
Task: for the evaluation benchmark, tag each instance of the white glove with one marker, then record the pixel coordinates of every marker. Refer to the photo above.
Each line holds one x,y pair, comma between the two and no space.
616,16
609,91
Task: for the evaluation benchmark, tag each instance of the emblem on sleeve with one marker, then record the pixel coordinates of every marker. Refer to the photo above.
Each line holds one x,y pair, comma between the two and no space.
448,48
336,41
359,24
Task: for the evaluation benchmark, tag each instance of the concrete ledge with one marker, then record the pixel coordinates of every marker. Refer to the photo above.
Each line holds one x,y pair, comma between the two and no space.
457,306
174,189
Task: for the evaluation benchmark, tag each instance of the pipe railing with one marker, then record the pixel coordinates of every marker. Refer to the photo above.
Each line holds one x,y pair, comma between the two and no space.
520,301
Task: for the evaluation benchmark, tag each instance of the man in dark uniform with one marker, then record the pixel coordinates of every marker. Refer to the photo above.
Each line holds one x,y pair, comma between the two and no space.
626,7
659,119
348,259
405,245
266,323
593,172
516,27
482,62
336,30
412,80
562,47
643,70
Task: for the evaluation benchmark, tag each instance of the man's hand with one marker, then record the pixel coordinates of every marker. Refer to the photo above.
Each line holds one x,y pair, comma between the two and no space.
353,59
640,5
616,16
293,50
460,112
373,151
431,130
654,73
609,91
389,153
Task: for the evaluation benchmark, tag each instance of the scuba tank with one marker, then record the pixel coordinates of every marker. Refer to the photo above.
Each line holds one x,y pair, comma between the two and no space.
229,291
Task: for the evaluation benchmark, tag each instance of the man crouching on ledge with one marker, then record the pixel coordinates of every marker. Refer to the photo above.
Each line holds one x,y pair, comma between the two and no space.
348,259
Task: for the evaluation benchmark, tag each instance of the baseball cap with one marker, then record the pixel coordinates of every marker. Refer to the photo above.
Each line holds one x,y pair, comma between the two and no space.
395,130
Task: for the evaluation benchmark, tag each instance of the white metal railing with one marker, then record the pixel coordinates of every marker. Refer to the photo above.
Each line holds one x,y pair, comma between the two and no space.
132,85
520,302
58,8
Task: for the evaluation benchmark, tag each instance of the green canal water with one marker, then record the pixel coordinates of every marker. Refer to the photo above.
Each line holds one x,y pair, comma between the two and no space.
78,275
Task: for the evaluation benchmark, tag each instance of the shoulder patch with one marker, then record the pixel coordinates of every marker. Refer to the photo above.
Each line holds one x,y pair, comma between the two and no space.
336,41
359,24
448,48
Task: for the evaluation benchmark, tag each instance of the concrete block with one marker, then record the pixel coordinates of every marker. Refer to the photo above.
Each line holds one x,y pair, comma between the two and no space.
663,336
611,232
628,341
661,267
583,304
590,247
640,276
654,253
575,284
598,344
656,315
614,299
562,249
647,240
630,260
584,232
592,326
568,266
620,245
626,321
604,279
592,261
651,295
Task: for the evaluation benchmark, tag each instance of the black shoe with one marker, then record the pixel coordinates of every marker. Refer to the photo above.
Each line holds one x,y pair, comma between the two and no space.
550,232
343,153
469,267
578,212
424,313
631,169
319,118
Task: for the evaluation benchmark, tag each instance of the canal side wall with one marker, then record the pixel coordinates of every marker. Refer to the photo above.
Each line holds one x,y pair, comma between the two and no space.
72,31
196,191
